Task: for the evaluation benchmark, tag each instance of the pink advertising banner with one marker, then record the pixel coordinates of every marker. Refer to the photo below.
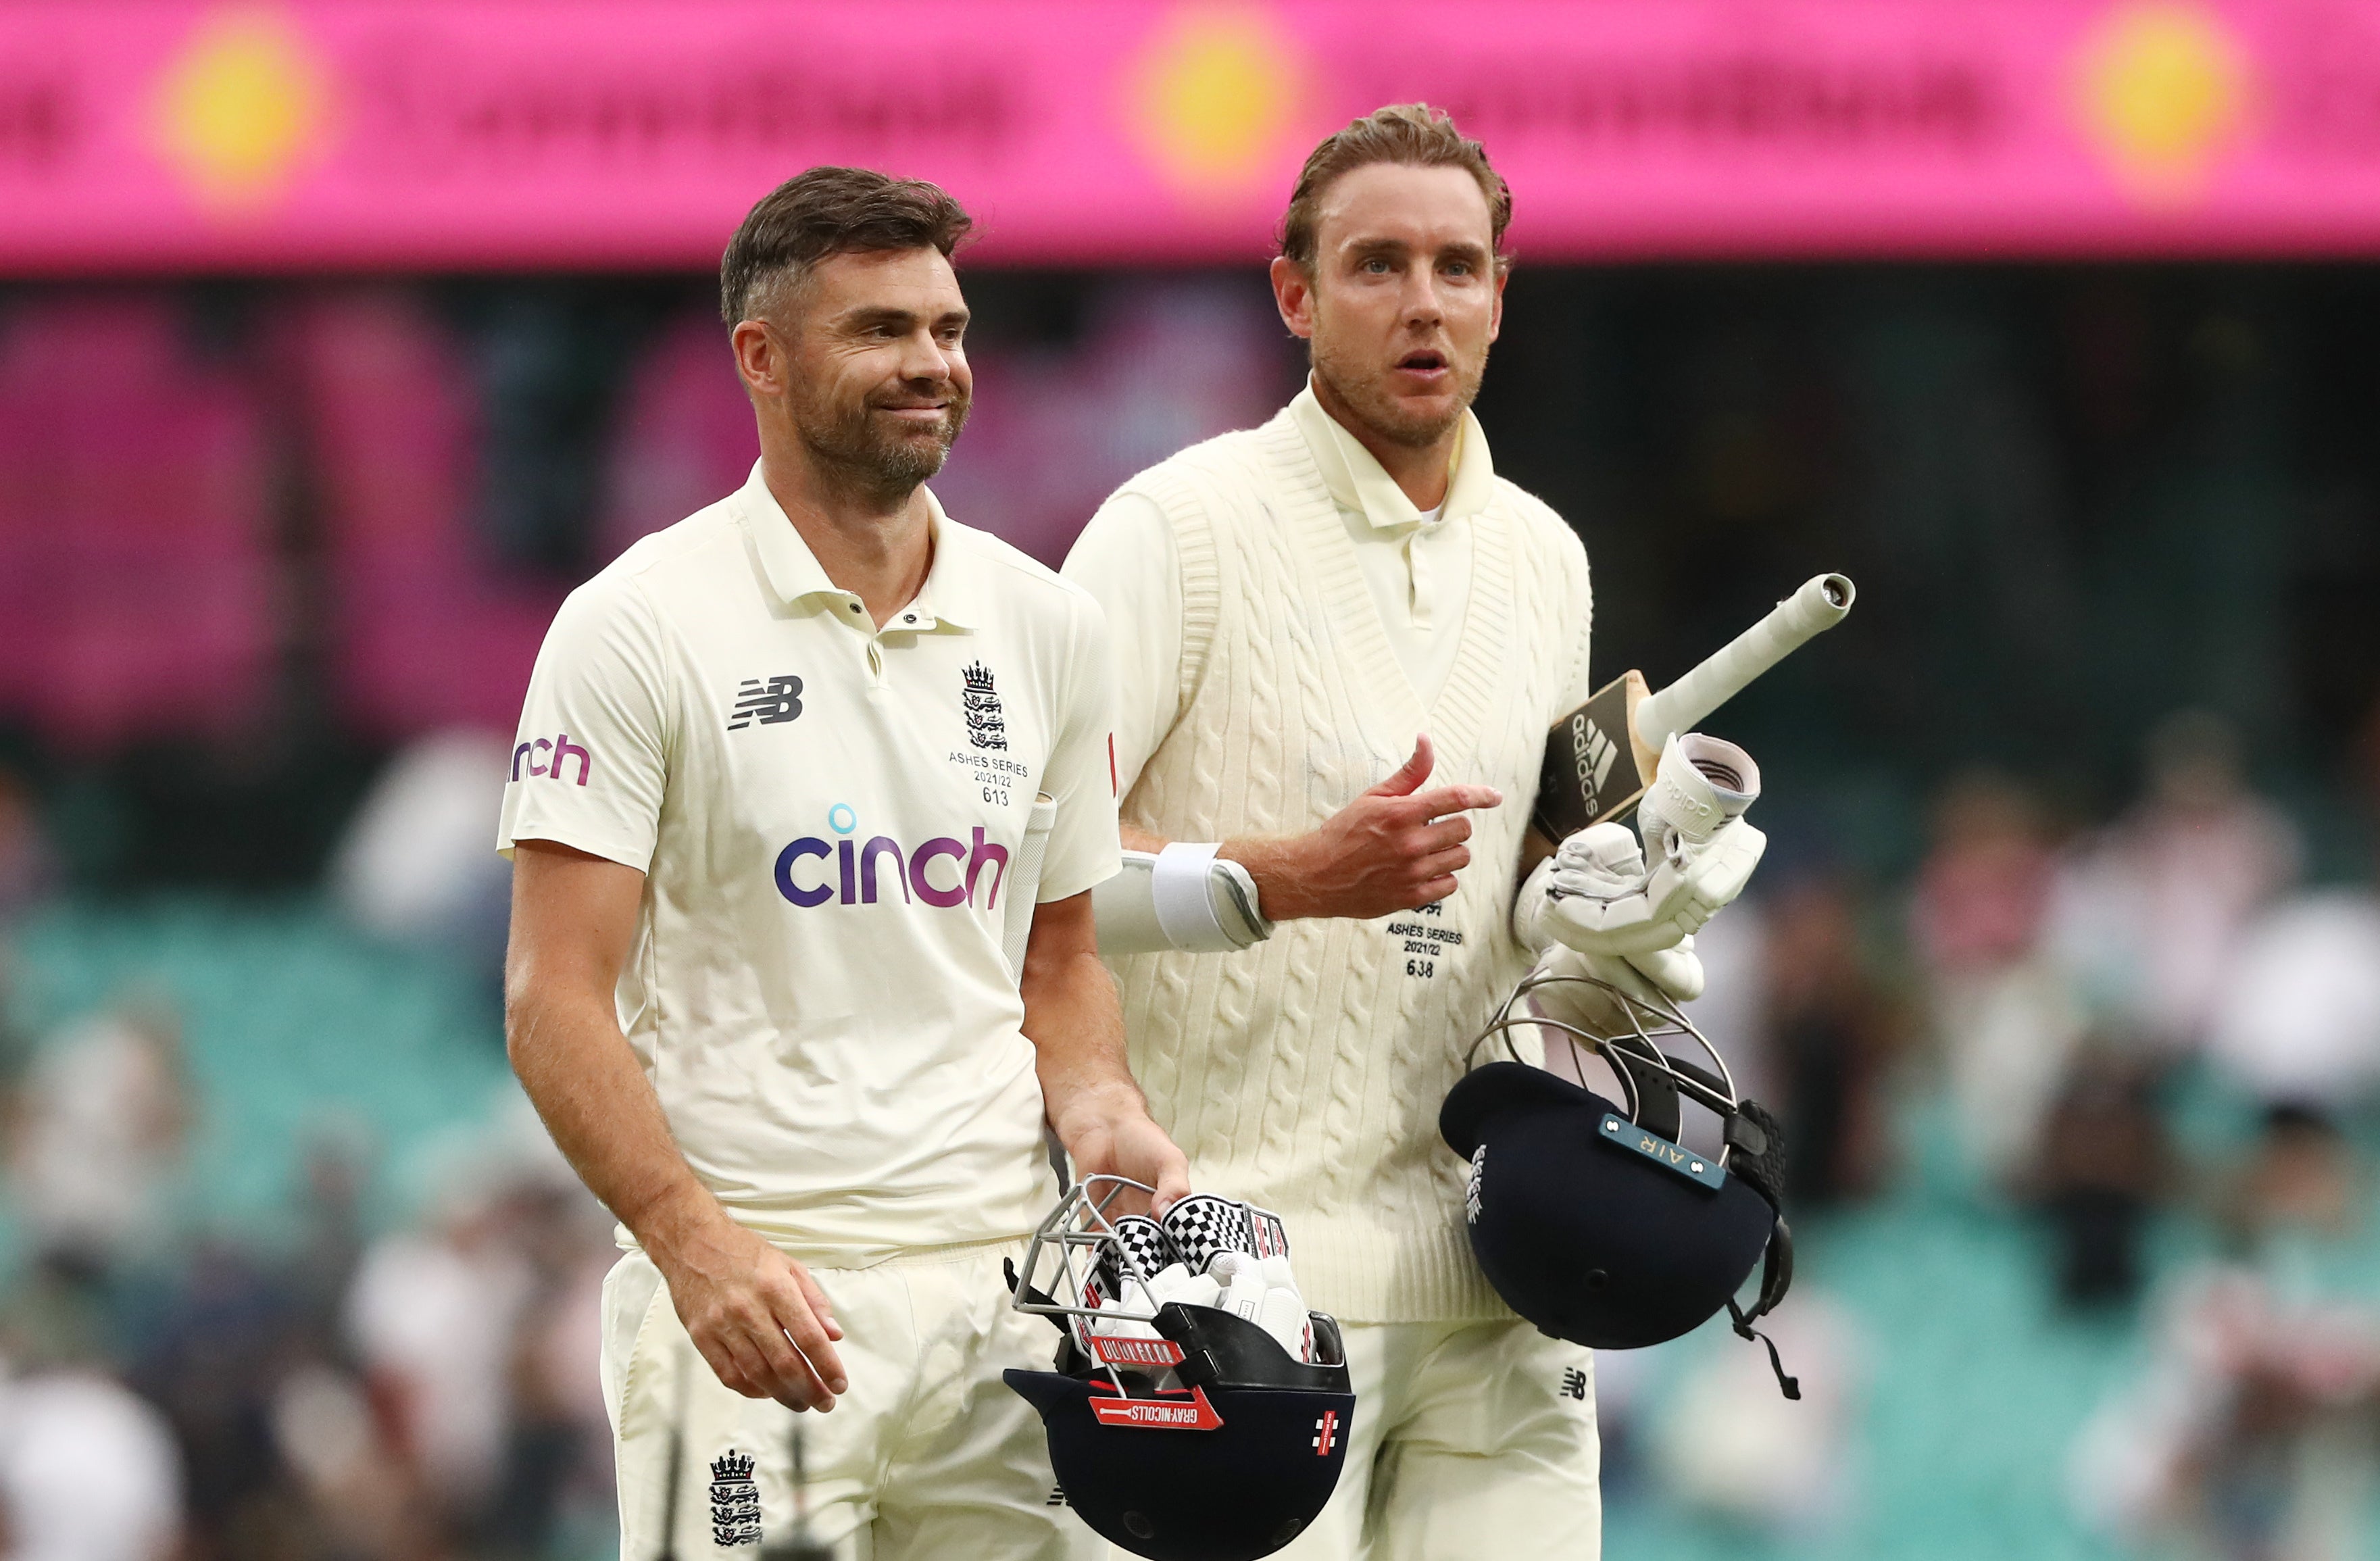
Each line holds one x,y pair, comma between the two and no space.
156,135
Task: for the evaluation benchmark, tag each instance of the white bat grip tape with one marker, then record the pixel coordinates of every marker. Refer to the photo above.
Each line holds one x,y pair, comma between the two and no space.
1819,606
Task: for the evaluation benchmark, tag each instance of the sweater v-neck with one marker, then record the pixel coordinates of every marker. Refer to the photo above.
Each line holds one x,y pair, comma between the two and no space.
1452,713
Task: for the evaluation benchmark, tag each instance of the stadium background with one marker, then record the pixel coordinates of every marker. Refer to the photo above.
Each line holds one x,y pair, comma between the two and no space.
338,341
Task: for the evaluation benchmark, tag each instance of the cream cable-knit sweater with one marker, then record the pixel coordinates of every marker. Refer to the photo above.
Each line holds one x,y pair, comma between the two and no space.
1305,1074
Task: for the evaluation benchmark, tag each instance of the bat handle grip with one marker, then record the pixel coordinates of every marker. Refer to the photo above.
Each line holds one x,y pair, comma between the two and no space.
1819,605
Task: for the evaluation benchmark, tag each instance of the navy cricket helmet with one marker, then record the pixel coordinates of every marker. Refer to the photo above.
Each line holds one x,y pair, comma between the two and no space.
1188,1434
1593,1220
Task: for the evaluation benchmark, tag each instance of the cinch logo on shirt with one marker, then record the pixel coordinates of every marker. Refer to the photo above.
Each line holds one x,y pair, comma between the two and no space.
561,748
859,870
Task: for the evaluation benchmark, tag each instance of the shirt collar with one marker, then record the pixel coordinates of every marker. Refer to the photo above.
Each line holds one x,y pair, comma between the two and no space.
947,600
1359,483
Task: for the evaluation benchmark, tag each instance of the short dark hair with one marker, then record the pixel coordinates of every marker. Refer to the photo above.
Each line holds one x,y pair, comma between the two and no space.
1412,134
826,211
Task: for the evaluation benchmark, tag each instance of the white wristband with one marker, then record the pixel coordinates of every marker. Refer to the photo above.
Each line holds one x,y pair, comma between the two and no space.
1186,908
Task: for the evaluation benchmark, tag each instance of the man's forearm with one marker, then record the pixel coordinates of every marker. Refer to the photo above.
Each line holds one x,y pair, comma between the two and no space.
582,1077
1077,1034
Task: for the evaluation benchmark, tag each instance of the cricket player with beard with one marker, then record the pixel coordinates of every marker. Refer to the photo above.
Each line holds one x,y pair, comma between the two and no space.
1347,593
771,789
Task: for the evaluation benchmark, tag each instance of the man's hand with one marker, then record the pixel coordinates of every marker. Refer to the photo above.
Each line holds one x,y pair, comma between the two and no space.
1395,848
755,1314
1114,1136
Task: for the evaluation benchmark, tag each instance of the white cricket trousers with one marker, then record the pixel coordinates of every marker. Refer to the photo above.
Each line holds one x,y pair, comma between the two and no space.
1471,1442
928,1456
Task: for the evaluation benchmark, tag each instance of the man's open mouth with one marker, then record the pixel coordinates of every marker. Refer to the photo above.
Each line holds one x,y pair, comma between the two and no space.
1423,362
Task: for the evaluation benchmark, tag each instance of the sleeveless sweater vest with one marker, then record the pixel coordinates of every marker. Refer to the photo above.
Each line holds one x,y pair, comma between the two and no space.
1305,1074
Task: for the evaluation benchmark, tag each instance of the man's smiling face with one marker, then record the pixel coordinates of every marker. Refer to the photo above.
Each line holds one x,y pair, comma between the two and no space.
1405,298
878,381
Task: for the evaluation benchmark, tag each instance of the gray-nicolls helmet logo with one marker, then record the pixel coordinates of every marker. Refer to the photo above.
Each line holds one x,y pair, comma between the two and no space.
1594,1220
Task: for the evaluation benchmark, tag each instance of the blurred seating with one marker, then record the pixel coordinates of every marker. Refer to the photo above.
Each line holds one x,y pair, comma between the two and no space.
423,633
686,435
136,496
290,1021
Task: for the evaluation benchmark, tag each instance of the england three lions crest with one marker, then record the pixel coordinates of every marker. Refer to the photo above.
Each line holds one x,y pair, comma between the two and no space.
980,702
734,1501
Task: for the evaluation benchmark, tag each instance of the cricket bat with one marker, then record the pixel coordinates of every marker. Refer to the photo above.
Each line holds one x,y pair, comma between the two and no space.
1600,758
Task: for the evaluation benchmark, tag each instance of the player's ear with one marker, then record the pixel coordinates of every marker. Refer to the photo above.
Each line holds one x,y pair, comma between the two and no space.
760,357
1293,293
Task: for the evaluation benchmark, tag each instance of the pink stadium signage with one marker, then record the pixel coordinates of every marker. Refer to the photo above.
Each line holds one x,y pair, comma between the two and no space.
149,134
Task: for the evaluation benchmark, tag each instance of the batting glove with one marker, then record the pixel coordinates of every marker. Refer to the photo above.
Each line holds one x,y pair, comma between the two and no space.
1595,895
1263,1290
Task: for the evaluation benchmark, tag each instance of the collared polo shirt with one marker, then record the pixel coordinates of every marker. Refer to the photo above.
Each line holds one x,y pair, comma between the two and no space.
1416,569
826,814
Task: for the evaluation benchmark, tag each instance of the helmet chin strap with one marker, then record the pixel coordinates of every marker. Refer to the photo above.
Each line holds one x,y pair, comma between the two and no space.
1753,1134
1791,1385
1776,1277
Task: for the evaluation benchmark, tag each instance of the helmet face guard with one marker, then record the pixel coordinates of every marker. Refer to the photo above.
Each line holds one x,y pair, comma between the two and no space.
1193,1436
1591,1218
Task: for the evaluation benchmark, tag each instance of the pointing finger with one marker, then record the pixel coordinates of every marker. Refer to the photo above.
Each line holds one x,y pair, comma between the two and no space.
1452,799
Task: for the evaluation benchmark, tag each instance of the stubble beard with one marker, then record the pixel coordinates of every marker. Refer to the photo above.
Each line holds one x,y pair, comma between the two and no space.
887,464
1387,415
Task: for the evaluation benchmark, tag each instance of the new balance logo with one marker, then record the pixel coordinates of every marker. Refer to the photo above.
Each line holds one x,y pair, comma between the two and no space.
1574,1383
779,699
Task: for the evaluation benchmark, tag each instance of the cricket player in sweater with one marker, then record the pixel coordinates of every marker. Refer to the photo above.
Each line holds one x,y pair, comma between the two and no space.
767,815
1346,594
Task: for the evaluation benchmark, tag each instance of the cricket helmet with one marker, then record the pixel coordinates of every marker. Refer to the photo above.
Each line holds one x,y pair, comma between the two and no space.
1594,1221
1191,1434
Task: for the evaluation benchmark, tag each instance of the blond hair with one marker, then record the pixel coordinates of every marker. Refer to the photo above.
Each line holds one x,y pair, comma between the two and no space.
1412,135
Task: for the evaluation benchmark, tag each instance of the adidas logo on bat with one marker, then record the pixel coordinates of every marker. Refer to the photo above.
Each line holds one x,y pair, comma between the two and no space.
1595,752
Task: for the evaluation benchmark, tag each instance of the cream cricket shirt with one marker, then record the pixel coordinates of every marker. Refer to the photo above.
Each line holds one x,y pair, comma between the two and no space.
826,815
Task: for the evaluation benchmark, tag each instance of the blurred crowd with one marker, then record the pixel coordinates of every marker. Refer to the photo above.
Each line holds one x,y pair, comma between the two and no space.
2076,988
2056,994
2052,1001
330,1393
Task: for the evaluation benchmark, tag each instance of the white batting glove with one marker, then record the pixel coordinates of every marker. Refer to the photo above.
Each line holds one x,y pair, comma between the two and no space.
1674,975
1702,851
1591,888
1595,895
1139,1302
1263,1290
